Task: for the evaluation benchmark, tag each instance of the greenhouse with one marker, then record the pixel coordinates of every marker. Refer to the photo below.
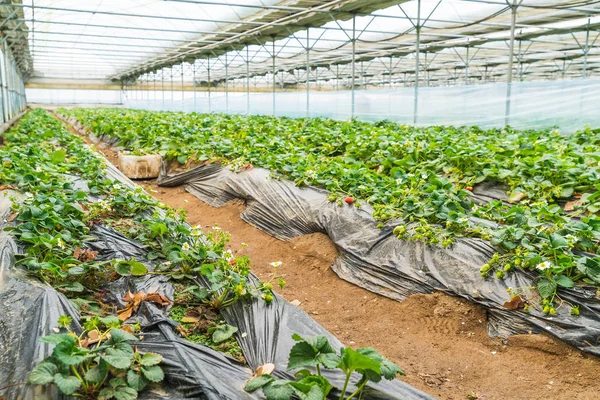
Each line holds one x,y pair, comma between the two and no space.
298,199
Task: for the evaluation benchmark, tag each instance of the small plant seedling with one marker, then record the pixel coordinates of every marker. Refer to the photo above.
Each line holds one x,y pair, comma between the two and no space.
316,352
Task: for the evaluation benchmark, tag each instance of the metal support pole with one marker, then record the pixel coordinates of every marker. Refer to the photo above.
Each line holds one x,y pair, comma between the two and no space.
519,59
337,76
307,73
418,28
172,93
362,75
274,81
162,76
182,91
353,60
513,22
391,67
209,83
587,49
226,84
466,66
3,78
426,71
247,80
194,80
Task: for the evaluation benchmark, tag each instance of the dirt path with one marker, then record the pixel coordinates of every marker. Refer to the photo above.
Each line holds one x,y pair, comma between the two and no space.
440,341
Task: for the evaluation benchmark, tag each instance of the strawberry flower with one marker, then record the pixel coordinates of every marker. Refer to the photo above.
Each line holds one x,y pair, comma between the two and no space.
544,265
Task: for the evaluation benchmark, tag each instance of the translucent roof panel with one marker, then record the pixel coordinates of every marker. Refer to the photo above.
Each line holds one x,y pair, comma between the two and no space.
99,38
232,39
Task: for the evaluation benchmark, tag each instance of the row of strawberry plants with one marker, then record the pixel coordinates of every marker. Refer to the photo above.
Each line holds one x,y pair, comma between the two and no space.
53,219
421,175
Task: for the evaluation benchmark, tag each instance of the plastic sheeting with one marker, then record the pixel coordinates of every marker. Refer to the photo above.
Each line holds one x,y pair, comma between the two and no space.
567,104
30,310
375,259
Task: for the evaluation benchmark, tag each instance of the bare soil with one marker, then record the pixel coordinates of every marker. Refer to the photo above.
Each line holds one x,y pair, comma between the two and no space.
440,341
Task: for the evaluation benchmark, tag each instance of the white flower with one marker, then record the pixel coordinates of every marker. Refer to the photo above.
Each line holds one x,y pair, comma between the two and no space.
462,220
424,175
571,238
60,243
276,264
185,247
195,231
309,173
104,204
216,228
228,255
544,265
399,181
38,169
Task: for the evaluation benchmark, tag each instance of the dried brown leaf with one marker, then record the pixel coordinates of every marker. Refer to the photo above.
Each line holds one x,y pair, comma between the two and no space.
515,303
265,369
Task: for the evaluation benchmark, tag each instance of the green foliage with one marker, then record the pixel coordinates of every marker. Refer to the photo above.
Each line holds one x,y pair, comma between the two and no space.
423,176
41,158
111,368
53,221
317,352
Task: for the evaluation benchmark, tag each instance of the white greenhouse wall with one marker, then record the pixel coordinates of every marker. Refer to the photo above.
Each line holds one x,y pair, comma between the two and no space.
568,104
72,96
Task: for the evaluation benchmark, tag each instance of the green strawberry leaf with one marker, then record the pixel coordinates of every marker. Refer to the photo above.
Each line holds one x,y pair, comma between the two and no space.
119,336
68,354
58,156
258,382
278,390
43,373
223,332
150,359
355,361
97,373
153,373
125,393
558,242
58,338
136,381
546,288
67,384
302,354
118,361
106,394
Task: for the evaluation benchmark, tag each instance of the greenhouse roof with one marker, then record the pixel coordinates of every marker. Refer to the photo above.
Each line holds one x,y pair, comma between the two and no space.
215,40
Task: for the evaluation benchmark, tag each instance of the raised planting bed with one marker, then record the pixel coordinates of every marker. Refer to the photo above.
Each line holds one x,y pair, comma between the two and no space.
504,218
108,293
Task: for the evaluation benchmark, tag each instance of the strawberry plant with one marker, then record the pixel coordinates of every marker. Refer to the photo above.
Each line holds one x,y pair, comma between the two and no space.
316,352
96,364
64,192
426,177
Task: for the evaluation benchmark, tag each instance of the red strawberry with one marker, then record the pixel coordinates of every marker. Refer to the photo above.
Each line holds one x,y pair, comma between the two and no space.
349,200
